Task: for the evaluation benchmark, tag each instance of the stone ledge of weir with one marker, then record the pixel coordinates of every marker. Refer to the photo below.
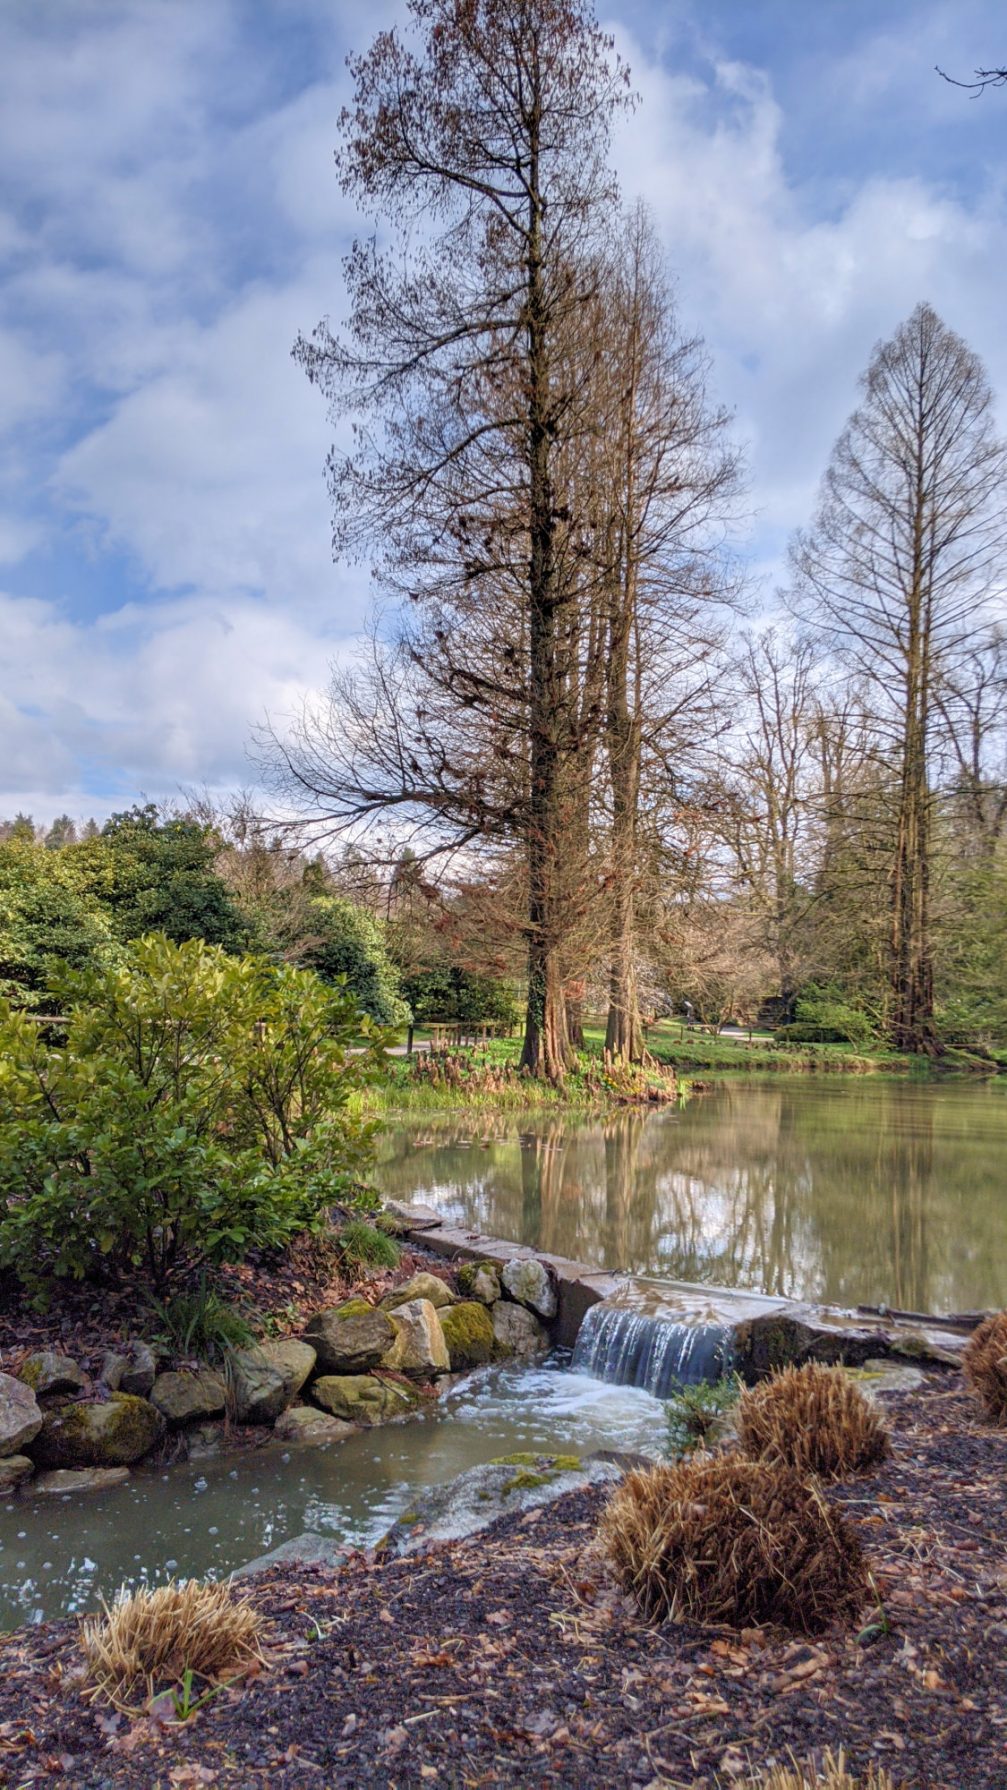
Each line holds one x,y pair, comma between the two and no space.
768,1331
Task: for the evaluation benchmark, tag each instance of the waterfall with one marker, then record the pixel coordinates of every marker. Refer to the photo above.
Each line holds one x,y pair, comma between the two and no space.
634,1348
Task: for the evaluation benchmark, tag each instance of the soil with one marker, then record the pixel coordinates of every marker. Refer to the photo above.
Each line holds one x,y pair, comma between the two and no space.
288,1288
512,1659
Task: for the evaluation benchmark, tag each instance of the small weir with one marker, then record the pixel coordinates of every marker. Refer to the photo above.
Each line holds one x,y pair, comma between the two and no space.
629,1347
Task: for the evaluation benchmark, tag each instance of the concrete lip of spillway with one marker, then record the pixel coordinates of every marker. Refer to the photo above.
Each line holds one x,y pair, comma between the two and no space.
767,1330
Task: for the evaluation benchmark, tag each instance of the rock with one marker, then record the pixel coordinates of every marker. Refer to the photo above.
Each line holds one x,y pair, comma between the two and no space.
480,1496
304,1426
531,1284
89,1479
350,1338
468,1332
264,1381
113,1366
363,1398
876,1379
141,1371
421,1286
204,1441
941,1346
112,1433
760,1345
308,1549
517,1331
14,1469
419,1348
48,1371
401,1218
189,1395
20,1417
480,1280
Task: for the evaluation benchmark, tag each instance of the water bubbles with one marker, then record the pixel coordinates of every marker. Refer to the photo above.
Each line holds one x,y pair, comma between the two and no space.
22,1535
171,1566
200,1485
213,1530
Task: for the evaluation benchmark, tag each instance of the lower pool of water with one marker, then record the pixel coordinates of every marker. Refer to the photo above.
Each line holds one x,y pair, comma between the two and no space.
204,1518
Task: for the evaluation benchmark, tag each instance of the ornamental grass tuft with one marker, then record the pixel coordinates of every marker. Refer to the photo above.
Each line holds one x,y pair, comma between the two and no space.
148,1640
812,1418
985,1365
833,1774
725,1540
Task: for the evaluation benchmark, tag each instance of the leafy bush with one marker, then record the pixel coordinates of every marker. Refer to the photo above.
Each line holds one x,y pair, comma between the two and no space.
45,913
985,1364
718,1539
825,1016
694,1412
349,945
453,995
813,1418
198,1106
362,1245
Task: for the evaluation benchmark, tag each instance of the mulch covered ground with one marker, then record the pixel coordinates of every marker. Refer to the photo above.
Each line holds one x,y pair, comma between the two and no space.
510,1659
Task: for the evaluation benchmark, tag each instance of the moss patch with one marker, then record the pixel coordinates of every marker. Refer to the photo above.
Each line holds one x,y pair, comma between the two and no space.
468,1332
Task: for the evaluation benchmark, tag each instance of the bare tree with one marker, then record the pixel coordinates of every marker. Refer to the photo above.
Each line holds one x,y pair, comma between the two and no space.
482,145
669,483
895,574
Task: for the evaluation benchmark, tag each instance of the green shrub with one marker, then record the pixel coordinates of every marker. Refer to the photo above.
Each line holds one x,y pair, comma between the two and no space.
197,1107
362,1245
823,1015
693,1413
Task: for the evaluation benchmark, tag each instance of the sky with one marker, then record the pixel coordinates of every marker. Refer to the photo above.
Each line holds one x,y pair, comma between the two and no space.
170,219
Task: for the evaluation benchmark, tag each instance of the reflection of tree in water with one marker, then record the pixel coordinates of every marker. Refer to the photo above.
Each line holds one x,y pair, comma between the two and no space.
863,1192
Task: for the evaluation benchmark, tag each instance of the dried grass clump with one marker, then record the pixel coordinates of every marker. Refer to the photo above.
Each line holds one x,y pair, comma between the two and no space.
812,1418
149,1639
985,1365
721,1539
833,1775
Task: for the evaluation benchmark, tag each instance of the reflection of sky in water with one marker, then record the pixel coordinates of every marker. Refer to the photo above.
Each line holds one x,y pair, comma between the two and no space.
844,1189
208,1517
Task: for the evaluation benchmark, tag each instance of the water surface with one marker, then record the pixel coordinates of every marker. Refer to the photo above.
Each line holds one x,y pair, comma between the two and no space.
57,1556
844,1190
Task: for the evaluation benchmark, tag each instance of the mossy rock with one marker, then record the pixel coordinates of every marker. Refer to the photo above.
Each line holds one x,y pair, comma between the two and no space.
363,1398
480,1280
113,1433
468,1332
48,1371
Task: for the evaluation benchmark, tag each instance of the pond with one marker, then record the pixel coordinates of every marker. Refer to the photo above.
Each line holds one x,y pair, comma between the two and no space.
850,1191
57,1556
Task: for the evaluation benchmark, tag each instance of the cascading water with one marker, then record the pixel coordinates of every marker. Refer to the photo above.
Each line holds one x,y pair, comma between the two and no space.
634,1348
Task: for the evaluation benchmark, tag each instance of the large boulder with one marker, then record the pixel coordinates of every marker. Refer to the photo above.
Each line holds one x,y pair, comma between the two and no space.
363,1398
305,1427
266,1380
47,1370
480,1280
20,1417
420,1286
517,1331
14,1470
350,1338
468,1332
113,1433
189,1395
531,1284
480,1496
418,1349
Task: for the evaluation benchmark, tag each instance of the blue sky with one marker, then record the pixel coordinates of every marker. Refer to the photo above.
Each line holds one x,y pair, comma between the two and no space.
170,218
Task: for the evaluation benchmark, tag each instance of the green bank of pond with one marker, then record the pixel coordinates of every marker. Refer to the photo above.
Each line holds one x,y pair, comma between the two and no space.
845,1190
